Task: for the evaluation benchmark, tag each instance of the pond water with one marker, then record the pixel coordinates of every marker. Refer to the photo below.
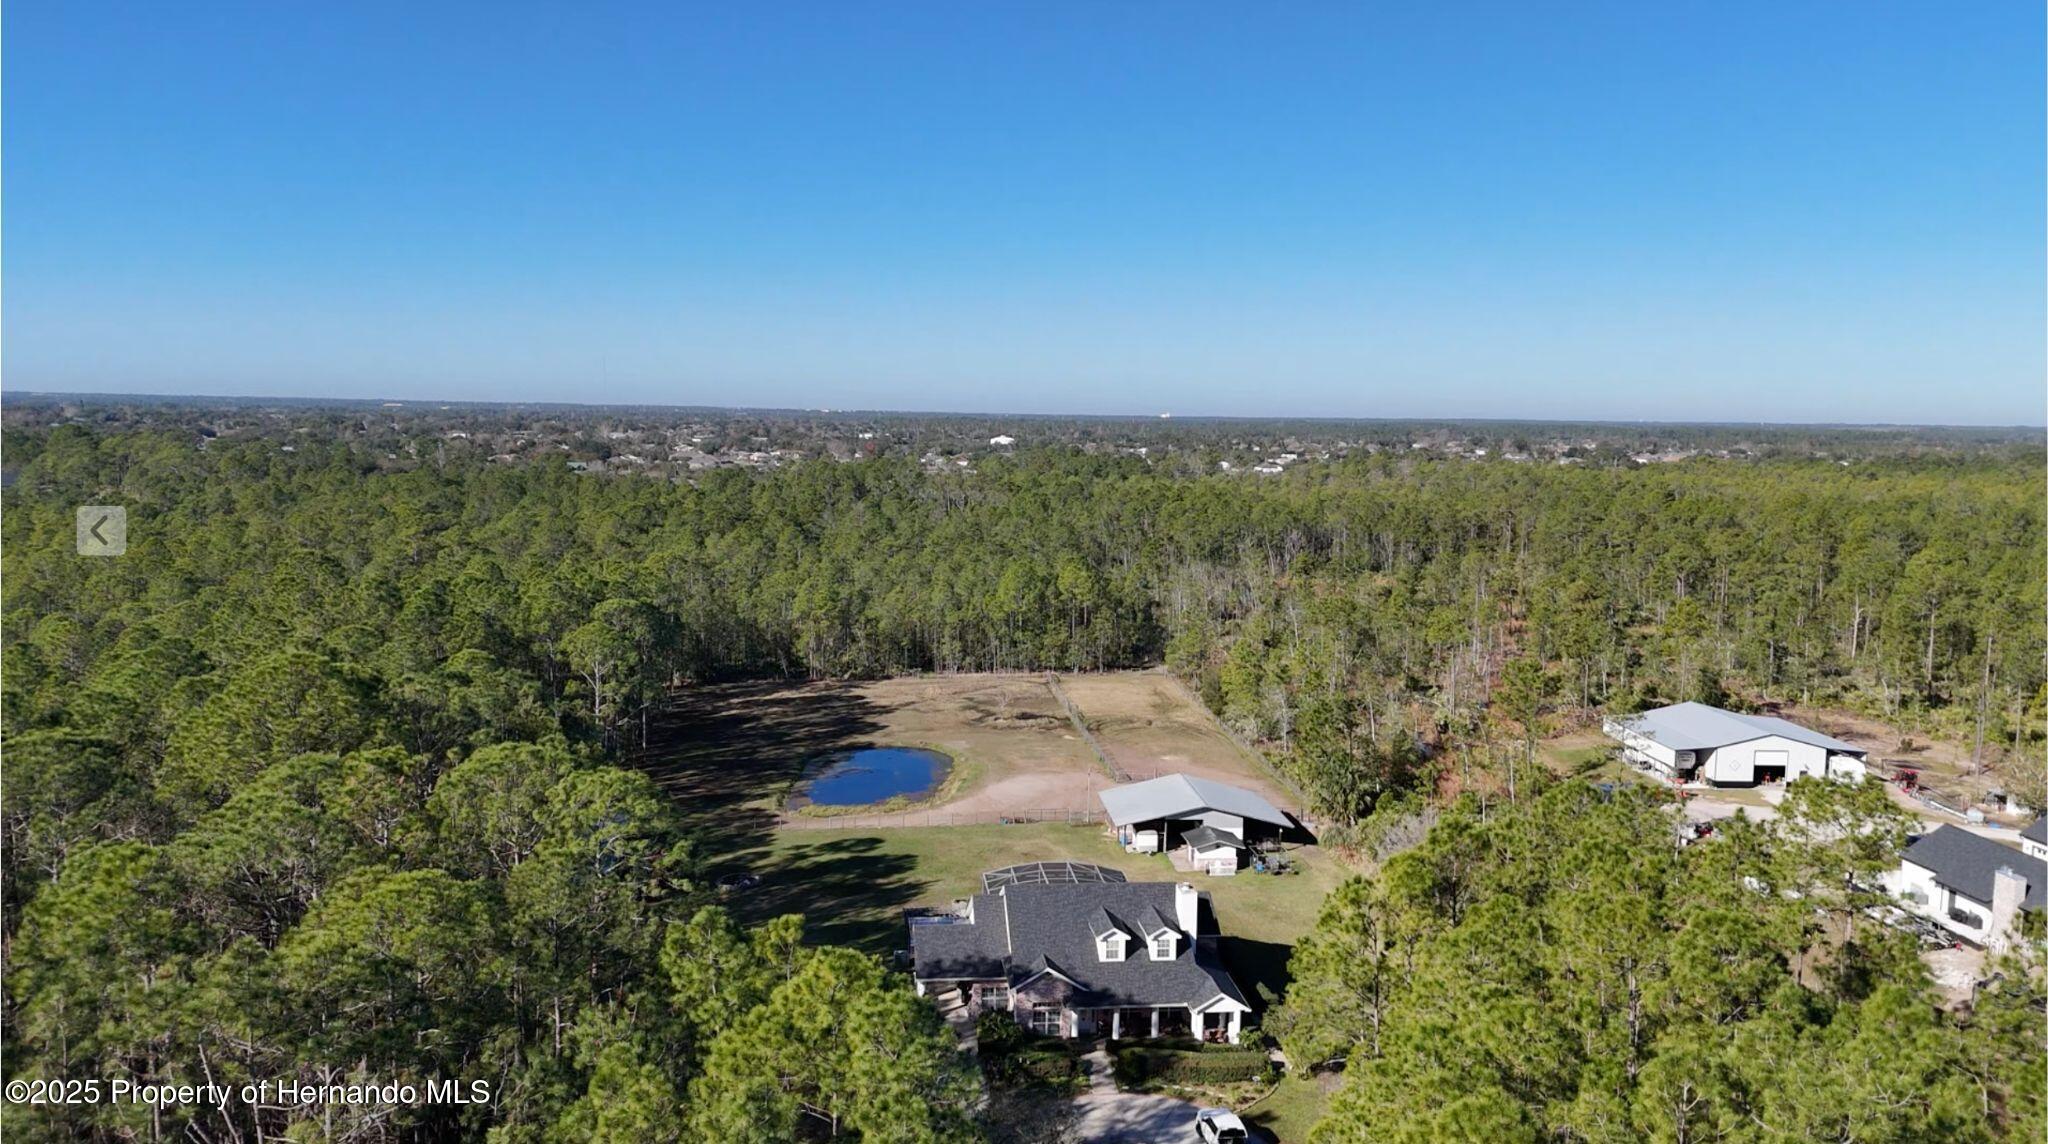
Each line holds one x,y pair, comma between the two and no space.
876,774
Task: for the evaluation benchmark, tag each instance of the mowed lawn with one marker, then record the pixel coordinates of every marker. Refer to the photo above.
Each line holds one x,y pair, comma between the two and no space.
852,885
1293,1107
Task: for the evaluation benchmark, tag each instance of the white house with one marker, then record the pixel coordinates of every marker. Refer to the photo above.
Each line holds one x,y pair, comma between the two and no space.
1002,441
1970,885
1068,954
1695,742
2034,839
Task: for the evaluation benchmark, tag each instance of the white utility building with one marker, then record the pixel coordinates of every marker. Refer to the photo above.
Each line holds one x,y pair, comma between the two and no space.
1692,741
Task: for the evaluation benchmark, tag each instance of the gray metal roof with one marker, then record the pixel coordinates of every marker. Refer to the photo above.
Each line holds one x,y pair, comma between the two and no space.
1966,862
1023,929
1184,796
1049,874
1206,837
2037,831
1696,726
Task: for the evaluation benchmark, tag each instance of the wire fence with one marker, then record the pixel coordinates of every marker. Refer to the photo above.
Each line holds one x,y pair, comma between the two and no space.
1052,683
1077,816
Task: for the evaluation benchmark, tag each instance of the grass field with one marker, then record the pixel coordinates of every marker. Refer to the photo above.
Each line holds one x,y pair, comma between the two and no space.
854,884
1579,752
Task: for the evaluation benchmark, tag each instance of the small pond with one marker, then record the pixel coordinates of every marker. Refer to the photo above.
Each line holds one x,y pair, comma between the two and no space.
875,774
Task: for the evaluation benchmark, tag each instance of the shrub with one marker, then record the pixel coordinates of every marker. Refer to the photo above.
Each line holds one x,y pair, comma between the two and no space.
1146,1064
1055,1067
997,1033
1014,1057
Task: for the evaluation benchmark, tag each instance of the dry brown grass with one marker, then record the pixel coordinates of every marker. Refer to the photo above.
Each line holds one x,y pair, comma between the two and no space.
1150,726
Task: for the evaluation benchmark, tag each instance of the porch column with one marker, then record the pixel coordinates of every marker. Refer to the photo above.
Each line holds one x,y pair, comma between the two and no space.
1155,1022
1116,1024
1234,1017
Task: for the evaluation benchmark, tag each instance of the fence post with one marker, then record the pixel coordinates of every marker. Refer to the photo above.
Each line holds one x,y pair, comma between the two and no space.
1052,683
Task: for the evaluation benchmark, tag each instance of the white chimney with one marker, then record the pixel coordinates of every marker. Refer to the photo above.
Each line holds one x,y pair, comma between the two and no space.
2008,889
1186,907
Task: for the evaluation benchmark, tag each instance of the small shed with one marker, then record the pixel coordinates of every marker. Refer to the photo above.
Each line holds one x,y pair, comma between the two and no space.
1211,850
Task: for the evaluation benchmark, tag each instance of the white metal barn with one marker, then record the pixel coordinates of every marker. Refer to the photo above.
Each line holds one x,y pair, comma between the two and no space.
1211,820
1692,741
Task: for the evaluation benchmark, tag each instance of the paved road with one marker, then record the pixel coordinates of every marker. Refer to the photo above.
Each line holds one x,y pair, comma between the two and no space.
1133,1118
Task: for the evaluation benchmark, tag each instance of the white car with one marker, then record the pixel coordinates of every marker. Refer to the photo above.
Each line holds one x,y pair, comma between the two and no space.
1220,1126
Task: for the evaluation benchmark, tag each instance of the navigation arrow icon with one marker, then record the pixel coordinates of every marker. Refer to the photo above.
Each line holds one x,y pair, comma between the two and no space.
102,530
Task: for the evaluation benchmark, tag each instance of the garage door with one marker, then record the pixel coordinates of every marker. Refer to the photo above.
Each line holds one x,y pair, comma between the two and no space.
1769,760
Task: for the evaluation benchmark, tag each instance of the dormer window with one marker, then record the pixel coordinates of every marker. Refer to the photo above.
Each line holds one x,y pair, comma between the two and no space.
1163,946
1110,946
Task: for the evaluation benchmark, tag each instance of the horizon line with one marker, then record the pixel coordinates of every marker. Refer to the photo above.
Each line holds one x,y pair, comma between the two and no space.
1162,415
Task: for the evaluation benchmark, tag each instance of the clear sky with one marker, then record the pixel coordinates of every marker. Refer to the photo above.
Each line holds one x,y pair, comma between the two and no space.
1779,211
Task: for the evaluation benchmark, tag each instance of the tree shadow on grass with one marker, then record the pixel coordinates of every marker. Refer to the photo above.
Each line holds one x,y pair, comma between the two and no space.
849,892
1258,967
727,753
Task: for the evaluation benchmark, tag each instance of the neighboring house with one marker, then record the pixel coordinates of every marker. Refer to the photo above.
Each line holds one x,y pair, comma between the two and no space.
2034,839
1694,742
1002,441
1081,957
1211,821
1970,885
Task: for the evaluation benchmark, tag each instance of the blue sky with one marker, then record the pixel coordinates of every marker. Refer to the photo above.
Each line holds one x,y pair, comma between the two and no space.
1715,211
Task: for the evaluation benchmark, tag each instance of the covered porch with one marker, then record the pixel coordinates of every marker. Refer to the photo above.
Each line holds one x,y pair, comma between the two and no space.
1132,1023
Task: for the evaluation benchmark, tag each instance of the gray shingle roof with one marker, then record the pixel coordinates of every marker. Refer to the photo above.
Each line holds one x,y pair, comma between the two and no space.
1024,929
1184,796
958,951
1156,922
1696,726
2037,831
1966,863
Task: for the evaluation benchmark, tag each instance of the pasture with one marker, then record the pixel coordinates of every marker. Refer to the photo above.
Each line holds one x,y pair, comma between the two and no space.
736,752
731,755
